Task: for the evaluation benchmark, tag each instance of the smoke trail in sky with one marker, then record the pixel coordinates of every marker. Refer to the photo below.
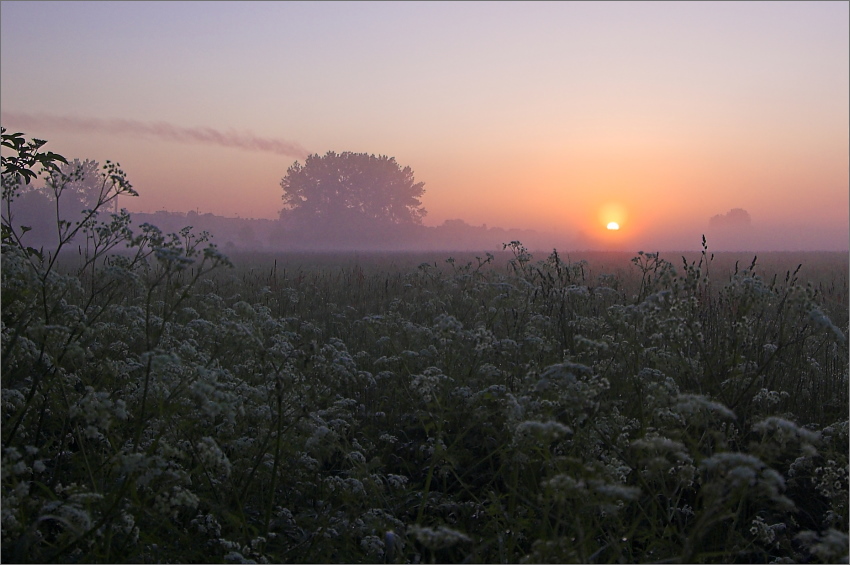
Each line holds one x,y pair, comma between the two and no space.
158,130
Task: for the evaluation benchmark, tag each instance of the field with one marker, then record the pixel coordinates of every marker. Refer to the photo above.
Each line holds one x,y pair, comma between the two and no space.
167,406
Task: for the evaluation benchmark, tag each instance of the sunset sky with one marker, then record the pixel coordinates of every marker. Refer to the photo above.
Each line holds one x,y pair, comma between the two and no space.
560,117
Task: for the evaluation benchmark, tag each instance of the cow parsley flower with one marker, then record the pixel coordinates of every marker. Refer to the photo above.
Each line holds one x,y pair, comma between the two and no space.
212,456
543,431
440,537
397,481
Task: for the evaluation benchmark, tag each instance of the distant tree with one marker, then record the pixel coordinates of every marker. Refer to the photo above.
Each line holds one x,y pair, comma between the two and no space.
68,186
81,186
352,189
22,162
734,217
72,185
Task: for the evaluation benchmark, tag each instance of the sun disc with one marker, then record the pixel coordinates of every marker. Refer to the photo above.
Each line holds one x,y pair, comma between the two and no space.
613,226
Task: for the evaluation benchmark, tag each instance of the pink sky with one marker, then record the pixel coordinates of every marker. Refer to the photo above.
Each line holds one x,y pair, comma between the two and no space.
551,116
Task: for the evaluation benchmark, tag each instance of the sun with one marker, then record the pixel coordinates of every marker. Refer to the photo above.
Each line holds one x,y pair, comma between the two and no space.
611,216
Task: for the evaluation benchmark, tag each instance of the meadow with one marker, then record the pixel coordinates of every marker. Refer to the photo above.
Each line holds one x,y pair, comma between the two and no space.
169,404
162,402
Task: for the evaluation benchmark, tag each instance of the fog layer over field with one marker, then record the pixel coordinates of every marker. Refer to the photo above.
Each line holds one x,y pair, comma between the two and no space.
249,234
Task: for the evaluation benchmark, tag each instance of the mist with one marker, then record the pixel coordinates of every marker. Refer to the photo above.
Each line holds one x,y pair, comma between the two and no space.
232,234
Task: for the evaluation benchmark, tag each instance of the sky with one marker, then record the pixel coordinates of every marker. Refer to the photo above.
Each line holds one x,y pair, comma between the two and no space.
554,116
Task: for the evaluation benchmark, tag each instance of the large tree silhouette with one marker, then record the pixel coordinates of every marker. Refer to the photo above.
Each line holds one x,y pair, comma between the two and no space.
354,189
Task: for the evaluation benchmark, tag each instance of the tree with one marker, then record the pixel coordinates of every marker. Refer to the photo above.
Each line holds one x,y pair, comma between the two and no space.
81,185
351,188
88,191
732,218
18,169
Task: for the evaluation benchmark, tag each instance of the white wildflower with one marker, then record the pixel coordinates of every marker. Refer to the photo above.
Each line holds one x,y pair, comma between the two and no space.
543,431
437,538
397,481
724,473
785,431
831,547
564,487
373,545
426,383
97,410
318,437
237,557
692,404
764,532
212,456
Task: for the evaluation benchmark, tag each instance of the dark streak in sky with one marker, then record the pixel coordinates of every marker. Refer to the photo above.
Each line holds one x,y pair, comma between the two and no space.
157,130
